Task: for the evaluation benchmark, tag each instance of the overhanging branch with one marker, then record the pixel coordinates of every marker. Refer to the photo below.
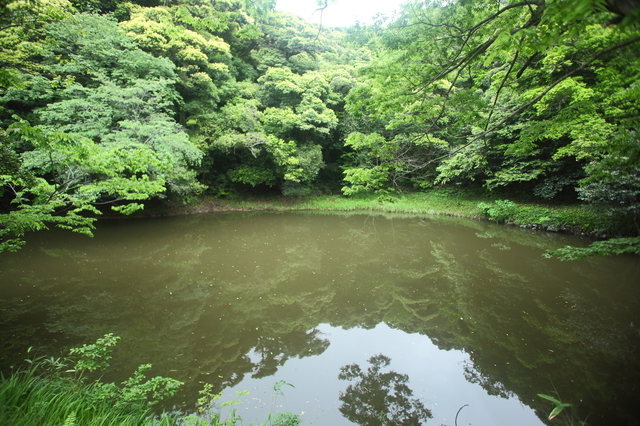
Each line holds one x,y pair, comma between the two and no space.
537,98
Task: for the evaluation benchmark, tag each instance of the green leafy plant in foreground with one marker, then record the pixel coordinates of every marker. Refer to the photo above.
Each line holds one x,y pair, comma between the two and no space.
29,399
207,415
46,394
94,357
555,414
281,419
206,412
53,392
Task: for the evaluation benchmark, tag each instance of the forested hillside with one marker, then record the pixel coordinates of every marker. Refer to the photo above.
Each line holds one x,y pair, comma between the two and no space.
113,103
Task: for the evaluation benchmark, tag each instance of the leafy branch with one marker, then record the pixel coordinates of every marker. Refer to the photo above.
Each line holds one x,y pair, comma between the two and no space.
537,98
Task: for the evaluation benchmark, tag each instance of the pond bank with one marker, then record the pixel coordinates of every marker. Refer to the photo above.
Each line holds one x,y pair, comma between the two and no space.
575,219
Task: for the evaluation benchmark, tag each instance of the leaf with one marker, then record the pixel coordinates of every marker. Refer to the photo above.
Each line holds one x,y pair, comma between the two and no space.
554,413
550,398
559,405
70,420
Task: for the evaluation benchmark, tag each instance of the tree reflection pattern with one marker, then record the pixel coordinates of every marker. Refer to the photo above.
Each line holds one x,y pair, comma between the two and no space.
205,293
380,398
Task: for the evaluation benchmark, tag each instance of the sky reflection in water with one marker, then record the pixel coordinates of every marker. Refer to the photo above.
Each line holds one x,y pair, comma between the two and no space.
466,309
435,377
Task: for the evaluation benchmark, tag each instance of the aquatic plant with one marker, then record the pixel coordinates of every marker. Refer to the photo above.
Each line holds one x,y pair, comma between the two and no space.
560,415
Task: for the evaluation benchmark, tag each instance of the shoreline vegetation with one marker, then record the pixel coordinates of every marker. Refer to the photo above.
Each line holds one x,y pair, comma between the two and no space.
611,234
120,103
575,219
57,391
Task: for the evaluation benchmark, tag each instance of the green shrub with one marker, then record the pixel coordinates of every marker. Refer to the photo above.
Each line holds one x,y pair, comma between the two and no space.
500,211
54,392
598,248
575,219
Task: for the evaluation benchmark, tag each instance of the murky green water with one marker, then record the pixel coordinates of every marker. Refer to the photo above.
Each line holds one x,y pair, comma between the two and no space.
464,313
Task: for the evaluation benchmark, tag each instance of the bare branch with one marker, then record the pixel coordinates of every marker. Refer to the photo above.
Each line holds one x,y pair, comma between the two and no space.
504,80
462,60
321,9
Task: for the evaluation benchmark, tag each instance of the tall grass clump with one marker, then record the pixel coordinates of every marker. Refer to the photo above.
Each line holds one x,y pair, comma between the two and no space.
56,392
29,399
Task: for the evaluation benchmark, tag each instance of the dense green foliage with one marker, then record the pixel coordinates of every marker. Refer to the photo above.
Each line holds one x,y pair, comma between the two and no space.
53,391
29,399
113,103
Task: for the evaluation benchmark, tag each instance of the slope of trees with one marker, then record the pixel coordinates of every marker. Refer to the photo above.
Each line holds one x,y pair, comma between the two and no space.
535,98
105,102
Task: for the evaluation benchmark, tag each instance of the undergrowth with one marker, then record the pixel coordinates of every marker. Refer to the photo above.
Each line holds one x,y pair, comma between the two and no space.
574,219
55,392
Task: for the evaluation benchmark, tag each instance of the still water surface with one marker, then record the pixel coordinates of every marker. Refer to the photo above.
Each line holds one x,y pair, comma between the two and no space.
441,313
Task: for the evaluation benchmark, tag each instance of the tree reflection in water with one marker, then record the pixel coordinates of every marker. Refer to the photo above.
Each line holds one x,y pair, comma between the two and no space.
216,298
380,397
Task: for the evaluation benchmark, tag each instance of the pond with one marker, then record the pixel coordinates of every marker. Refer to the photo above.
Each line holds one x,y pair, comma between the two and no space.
364,315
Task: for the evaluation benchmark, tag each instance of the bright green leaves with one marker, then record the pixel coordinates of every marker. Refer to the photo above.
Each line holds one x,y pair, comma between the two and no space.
280,121
107,100
130,111
156,31
297,104
525,93
609,247
105,136
570,115
299,163
315,116
139,389
310,118
465,165
559,406
92,49
95,356
378,163
83,174
290,42
174,154
180,35
19,21
276,161
375,163
365,180
136,390
374,143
